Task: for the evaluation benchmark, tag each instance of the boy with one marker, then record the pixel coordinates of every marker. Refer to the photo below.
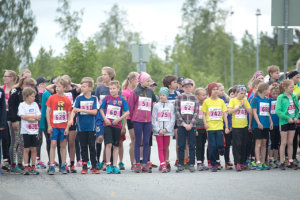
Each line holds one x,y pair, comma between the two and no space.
274,73
111,111
30,115
186,109
86,107
58,110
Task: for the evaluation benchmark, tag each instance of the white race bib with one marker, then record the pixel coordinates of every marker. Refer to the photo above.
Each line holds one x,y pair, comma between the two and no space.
187,107
145,103
264,109
164,115
215,113
273,104
113,112
59,116
241,113
87,105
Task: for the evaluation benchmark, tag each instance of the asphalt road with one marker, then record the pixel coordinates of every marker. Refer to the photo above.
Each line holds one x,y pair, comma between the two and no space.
225,184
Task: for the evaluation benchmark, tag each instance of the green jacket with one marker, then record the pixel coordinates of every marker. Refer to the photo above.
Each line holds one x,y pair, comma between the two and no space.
281,109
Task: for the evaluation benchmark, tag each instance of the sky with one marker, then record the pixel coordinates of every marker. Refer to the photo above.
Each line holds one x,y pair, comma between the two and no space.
158,21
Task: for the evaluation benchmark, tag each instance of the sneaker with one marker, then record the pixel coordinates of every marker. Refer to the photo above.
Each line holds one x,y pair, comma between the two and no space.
95,171
89,165
219,166
73,170
116,170
104,167
259,167
168,165
253,165
26,171
214,168
146,168
282,166
51,170
41,165
63,169
292,166
296,163
137,168
176,163
16,170
209,165
238,168
164,169
191,168
84,170
79,163
230,163
265,166
109,169
56,164
5,166
153,165
121,166
244,167
34,171
228,166
180,168
272,165
200,166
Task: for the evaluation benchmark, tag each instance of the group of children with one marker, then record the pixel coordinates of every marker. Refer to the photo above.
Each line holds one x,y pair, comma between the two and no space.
259,124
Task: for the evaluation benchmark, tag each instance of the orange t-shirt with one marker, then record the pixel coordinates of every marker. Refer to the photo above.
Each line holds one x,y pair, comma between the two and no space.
60,106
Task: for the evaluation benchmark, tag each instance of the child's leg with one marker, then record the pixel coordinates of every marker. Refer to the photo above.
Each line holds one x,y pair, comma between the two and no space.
212,147
283,142
236,142
138,137
26,152
131,145
83,138
181,136
198,145
258,144
166,142
108,150
159,140
147,128
52,151
91,141
121,151
177,146
33,155
263,150
220,140
39,144
13,146
20,147
77,148
115,156
228,138
295,144
191,142
63,150
245,138
290,138
72,150
99,147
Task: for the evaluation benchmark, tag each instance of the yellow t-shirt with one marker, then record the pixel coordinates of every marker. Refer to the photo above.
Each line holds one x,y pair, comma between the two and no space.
296,91
214,110
239,118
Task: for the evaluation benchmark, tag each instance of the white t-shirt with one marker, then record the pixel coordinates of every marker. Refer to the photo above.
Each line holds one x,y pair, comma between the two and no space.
31,128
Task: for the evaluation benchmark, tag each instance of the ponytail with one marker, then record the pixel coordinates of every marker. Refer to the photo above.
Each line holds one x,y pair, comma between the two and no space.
131,76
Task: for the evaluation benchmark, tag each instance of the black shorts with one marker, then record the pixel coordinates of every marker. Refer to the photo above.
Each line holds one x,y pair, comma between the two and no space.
129,124
288,127
112,135
261,134
29,140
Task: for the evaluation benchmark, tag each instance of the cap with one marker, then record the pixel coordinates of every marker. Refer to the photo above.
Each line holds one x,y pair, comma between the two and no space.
186,82
41,80
180,79
153,83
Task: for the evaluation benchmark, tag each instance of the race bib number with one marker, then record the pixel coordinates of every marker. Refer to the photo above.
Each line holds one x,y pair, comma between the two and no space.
291,108
32,127
164,115
264,109
101,99
87,105
187,107
215,113
273,104
70,96
59,116
113,112
145,103
241,113
200,113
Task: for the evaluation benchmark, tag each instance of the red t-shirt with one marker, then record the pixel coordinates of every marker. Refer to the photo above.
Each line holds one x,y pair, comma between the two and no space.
60,106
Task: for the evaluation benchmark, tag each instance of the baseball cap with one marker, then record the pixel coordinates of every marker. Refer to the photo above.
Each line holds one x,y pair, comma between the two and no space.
186,82
41,80
180,79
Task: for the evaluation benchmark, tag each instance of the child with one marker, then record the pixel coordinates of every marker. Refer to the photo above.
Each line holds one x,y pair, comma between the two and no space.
274,73
127,88
141,104
201,136
257,75
187,110
112,109
86,107
275,133
163,120
214,113
108,74
239,107
179,83
287,109
2,121
261,124
58,110
30,115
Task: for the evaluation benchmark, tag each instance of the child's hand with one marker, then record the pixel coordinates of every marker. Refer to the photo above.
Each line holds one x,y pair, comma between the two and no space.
243,103
76,110
260,126
107,122
161,132
250,129
50,130
227,131
123,131
115,122
188,127
291,121
66,131
271,126
206,126
295,120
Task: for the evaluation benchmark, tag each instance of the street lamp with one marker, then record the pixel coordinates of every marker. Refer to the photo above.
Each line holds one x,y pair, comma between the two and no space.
231,50
258,13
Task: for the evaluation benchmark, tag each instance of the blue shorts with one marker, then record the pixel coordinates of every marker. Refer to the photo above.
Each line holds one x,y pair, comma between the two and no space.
99,131
58,134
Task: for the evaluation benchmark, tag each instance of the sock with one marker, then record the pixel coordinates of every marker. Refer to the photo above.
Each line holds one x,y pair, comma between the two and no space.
72,163
98,148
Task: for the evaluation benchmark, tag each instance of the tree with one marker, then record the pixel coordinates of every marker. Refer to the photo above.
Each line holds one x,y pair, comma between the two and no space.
70,22
18,29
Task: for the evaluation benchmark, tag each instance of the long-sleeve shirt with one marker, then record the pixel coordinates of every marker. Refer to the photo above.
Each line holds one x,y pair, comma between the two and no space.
186,110
163,117
2,109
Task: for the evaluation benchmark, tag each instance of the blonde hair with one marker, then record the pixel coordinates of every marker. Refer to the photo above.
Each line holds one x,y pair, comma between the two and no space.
272,69
255,82
99,79
198,90
67,78
62,81
27,91
24,80
111,72
225,95
283,85
116,83
261,87
13,74
131,76
24,71
88,80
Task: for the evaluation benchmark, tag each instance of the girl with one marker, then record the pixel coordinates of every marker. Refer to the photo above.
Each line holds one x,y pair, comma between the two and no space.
287,109
141,103
239,107
127,88
257,75
261,124
163,120
214,113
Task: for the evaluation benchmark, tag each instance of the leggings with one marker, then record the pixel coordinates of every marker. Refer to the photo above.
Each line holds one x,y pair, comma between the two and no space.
39,144
77,148
142,129
6,143
162,144
16,145
228,138
200,144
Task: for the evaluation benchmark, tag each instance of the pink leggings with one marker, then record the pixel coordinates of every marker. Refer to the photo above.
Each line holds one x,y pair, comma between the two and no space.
162,143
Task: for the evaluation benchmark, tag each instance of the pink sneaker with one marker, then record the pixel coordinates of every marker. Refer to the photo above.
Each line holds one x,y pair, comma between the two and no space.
79,163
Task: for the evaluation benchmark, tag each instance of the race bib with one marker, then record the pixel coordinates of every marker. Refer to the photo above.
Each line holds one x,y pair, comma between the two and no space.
32,127
145,103
200,115
70,96
273,104
291,108
241,113
87,105
215,113
113,112
187,107
164,115
264,109
59,116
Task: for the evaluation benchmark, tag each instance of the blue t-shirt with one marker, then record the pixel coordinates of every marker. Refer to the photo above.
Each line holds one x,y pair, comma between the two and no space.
251,98
172,97
229,116
274,116
85,121
263,111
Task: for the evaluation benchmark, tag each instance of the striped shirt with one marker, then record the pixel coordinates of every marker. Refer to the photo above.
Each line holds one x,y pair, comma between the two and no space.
186,110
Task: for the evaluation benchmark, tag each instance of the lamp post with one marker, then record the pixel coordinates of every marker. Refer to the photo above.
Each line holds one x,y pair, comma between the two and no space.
258,13
231,51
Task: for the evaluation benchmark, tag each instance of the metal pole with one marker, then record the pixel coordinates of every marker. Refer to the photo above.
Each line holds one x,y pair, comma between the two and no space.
176,69
140,59
286,21
257,40
231,53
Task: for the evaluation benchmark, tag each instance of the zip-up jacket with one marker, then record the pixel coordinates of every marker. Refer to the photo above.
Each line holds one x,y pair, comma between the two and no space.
140,109
2,109
281,109
163,117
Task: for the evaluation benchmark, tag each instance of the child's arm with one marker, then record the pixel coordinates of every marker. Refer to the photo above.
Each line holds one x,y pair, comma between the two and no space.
29,118
67,128
260,126
105,119
271,122
50,88
76,86
204,120
116,121
226,122
90,112
250,121
48,120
